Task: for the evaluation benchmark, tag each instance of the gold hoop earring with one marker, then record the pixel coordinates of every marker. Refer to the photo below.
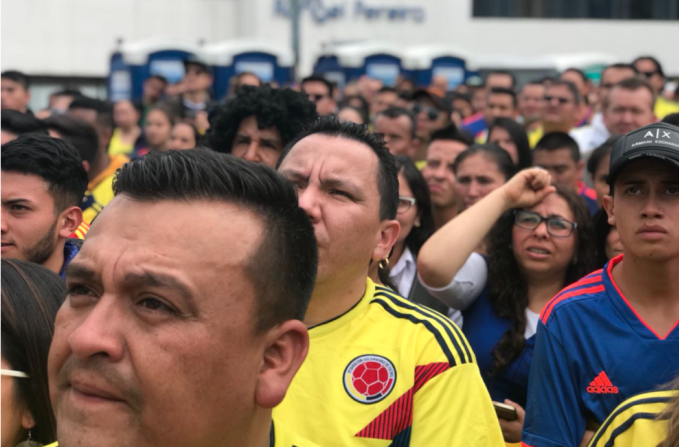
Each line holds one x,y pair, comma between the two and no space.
383,264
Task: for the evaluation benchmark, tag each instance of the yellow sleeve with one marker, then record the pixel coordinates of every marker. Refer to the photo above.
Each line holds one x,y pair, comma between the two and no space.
454,409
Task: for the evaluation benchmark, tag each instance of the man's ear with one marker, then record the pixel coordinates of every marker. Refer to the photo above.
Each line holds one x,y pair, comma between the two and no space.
608,206
389,230
286,347
68,221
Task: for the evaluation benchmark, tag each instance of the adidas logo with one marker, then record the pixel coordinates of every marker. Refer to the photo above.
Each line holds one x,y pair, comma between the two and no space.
602,385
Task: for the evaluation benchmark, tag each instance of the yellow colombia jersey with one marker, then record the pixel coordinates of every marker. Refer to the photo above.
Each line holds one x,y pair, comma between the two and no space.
280,436
389,373
634,422
100,189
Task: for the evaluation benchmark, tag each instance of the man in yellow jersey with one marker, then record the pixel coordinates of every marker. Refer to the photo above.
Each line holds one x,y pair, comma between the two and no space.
173,341
100,166
562,107
641,421
650,67
381,370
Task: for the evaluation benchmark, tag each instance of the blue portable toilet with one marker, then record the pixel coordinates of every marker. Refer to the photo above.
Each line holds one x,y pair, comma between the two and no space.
422,63
379,60
345,63
270,61
134,62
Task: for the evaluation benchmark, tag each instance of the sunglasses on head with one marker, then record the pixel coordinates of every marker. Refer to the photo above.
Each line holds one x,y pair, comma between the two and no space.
432,113
561,100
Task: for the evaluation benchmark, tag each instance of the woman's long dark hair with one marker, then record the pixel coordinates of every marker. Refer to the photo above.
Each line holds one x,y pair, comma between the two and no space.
520,139
31,297
508,288
418,235
601,230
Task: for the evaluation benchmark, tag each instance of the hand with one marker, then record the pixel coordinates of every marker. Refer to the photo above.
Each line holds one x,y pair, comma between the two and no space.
527,188
511,430
202,123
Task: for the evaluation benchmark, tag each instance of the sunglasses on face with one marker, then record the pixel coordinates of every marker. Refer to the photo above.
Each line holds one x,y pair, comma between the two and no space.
648,74
561,100
315,97
556,226
432,113
404,204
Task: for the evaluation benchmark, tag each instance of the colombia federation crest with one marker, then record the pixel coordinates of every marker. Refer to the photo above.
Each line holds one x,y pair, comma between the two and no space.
369,378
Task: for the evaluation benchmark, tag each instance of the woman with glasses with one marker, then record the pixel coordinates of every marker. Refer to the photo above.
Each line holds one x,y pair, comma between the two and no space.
540,241
31,297
417,224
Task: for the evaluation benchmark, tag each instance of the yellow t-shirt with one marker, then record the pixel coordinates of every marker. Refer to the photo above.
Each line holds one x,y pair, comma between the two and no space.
534,136
390,372
116,145
664,107
281,436
100,189
635,422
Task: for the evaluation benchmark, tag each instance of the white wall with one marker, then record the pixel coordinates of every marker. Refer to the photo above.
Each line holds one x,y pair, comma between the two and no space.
76,37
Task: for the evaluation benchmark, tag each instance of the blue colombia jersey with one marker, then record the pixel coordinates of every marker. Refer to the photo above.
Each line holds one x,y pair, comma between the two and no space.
592,352
484,329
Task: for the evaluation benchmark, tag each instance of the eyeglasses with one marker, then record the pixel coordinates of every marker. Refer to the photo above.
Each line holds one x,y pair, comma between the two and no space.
404,204
558,98
12,373
432,114
648,74
315,97
556,226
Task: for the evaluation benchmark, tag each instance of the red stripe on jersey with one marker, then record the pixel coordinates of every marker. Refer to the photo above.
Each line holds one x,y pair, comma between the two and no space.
611,264
584,190
399,415
523,444
472,118
568,292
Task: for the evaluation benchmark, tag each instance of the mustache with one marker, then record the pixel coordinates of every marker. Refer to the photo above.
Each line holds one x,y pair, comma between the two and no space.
99,373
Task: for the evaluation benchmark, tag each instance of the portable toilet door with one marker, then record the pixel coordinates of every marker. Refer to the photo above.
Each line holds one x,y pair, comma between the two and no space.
378,60
422,63
141,59
327,65
269,61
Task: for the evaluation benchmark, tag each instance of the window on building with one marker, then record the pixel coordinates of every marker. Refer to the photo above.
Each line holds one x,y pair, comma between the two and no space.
579,9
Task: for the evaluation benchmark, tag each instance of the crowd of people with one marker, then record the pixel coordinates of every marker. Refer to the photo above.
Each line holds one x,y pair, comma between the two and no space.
366,266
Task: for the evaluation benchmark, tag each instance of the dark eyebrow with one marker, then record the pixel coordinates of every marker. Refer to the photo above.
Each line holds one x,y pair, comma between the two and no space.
15,201
75,270
270,141
333,183
163,281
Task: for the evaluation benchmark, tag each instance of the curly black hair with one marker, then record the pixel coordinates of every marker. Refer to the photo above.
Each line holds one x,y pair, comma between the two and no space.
508,288
285,109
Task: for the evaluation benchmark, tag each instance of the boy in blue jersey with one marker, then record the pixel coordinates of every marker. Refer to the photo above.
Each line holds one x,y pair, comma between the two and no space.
614,333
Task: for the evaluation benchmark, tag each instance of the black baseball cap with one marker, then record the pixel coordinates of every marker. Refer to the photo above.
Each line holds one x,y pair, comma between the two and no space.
659,140
193,60
438,101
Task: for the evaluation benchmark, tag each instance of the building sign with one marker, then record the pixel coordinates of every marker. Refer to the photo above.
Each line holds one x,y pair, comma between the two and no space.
323,11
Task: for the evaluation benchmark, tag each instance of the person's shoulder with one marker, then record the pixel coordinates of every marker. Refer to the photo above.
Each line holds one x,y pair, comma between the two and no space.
634,419
424,326
581,293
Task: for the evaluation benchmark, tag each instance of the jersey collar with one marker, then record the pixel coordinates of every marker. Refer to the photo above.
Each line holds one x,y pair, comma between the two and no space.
340,321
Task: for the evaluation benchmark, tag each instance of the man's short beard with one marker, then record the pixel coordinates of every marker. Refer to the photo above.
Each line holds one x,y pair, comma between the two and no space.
41,251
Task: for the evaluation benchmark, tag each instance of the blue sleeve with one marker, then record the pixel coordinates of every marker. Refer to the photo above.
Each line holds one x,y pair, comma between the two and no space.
553,410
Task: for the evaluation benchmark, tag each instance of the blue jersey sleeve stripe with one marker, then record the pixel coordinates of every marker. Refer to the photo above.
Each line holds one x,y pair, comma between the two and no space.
426,323
457,340
622,428
624,407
